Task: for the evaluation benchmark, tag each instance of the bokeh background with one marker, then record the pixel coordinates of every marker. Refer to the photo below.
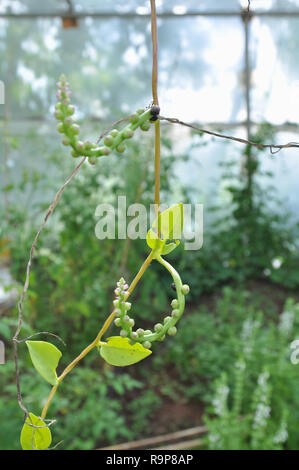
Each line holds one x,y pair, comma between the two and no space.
228,368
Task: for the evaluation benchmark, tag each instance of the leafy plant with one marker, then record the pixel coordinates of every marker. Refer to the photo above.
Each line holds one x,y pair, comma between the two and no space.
131,346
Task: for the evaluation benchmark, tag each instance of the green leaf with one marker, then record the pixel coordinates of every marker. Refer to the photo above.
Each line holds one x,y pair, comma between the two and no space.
40,437
170,222
169,247
119,352
45,357
153,241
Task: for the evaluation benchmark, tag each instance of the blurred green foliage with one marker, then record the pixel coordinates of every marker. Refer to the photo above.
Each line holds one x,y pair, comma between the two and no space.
260,388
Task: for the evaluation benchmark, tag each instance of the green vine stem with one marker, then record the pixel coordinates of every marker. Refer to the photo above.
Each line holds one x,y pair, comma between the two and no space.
71,129
147,337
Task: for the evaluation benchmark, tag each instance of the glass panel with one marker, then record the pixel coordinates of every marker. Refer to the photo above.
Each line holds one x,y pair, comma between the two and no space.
109,66
119,6
19,6
142,6
274,5
285,168
275,76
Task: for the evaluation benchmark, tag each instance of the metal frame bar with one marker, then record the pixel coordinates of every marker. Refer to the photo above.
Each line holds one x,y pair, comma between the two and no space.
104,15
243,14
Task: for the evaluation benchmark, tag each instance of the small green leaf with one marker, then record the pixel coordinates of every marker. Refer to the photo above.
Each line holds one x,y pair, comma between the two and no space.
170,222
40,437
153,241
45,357
119,352
169,247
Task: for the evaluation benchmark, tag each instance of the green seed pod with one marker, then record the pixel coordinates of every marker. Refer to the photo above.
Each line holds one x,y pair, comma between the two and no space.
74,153
127,133
123,333
185,289
58,116
175,313
120,148
117,312
145,126
108,140
128,305
147,344
116,303
166,319
70,109
126,318
134,118
162,338
58,106
92,160
148,332
117,322
131,322
158,327
134,335
114,132
68,121
140,111
60,127
172,331
140,332
102,151
175,303
80,146
75,129
66,141
88,145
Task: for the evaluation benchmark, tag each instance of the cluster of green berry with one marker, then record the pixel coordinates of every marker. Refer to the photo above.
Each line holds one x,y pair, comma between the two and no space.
146,337
114,141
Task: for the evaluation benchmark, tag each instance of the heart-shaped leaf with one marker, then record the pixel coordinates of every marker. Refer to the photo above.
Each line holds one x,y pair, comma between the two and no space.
153,241
169,247
170,222
45,357
119,352
40,437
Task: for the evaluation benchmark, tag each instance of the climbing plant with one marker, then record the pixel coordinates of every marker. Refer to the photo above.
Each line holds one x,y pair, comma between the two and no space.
132,345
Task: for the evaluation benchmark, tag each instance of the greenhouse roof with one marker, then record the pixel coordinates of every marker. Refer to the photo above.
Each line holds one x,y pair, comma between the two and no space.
98,8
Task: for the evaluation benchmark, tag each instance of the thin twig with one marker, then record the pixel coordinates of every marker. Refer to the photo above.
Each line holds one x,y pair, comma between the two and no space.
229,137
47,425
41,333
26,284
106,131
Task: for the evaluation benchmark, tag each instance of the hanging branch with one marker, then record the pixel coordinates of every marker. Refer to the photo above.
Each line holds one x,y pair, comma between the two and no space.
15,338
229,137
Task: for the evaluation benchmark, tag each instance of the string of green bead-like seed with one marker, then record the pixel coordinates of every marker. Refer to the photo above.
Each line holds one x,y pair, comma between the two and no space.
71,129
147,337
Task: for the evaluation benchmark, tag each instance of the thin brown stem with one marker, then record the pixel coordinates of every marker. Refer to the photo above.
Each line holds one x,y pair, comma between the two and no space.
155,52
156,102
229,137
157,167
